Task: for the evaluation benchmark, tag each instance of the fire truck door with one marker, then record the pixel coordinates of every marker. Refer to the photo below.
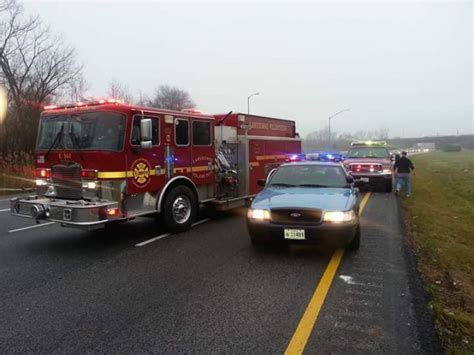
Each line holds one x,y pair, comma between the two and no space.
203,153
181,147
145,169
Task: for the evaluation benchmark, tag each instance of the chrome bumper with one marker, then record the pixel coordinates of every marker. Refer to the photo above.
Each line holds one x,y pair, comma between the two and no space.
73,213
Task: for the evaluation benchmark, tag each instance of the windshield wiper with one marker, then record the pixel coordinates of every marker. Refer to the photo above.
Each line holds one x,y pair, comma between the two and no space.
75,141
282,184
313,185
56,140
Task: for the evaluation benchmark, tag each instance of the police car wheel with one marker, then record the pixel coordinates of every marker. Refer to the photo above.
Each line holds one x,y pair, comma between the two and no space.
179,209
388,187
355,243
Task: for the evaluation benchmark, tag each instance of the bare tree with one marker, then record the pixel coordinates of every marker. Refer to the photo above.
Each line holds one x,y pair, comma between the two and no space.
120,91
76,90
171,98
35,67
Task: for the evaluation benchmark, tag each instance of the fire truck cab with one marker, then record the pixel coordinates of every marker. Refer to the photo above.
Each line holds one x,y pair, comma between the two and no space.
105,161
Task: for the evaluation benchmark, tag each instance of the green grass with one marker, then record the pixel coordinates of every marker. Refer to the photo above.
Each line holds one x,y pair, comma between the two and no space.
16,173
440,218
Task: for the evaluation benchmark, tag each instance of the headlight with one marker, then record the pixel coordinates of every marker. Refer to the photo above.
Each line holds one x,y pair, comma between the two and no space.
41,182
261,215
91,185
339,217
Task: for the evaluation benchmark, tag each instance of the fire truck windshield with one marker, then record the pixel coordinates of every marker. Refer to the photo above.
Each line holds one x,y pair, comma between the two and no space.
368,152
82,131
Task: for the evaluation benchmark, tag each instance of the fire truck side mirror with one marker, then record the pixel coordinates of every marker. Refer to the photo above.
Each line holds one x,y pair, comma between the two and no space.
146,144
145,129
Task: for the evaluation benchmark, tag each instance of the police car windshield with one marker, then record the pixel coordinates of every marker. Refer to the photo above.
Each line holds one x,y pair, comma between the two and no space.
368,152
83,131
309,176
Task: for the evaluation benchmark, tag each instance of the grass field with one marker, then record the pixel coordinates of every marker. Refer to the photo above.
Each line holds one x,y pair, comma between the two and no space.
16,173
440,219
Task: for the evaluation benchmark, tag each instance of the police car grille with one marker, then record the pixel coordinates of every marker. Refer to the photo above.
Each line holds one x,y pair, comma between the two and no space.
67,181
296,216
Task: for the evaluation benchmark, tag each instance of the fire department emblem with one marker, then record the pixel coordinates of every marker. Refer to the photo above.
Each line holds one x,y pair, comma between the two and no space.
141,173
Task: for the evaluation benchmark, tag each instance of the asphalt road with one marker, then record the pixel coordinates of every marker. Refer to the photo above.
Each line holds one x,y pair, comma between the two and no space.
206,290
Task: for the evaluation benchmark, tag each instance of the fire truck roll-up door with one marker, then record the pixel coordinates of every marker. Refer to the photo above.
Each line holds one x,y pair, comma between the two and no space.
265,154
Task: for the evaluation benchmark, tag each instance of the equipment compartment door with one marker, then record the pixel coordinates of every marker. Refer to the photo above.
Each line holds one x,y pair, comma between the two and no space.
265,154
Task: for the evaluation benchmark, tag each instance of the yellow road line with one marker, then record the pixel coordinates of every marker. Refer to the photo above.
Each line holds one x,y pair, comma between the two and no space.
307,322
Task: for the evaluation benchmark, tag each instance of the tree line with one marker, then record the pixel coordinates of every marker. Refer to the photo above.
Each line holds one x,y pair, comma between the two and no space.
319,139
38,68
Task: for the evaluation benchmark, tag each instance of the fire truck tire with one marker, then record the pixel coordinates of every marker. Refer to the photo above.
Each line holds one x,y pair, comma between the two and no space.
179,209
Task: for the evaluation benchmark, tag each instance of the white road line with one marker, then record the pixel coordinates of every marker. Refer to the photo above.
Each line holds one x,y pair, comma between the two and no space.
200,222
168,234
30,227
152,240
5,210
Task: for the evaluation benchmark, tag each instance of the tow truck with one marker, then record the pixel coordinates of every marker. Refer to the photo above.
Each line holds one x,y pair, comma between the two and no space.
104,161
370,164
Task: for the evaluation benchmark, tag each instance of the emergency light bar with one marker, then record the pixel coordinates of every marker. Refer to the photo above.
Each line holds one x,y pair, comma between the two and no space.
192,110
83,104
368,143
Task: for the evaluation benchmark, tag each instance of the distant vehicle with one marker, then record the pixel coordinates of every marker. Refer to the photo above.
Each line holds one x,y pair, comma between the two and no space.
105,161
325,156
312,202
370,163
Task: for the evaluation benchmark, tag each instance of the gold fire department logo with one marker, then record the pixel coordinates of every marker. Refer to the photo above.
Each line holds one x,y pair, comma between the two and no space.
141,173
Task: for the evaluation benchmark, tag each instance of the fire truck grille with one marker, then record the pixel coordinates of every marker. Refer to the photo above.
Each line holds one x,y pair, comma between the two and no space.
296,216
67,181
366,168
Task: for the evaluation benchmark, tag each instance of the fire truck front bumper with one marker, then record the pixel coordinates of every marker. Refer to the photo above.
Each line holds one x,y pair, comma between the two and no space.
71,213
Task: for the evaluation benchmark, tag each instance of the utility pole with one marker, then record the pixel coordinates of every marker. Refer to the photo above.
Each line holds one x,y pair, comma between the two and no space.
329,121
248,101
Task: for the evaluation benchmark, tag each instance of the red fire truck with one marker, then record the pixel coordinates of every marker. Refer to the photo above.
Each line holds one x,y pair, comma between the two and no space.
105,161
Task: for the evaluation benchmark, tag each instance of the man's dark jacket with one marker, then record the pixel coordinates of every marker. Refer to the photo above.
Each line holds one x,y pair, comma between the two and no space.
404,165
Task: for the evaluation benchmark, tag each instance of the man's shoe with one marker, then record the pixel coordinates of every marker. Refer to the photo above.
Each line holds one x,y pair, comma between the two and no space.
396,193
408,195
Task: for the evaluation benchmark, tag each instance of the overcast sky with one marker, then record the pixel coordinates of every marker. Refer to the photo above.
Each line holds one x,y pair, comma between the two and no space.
405,66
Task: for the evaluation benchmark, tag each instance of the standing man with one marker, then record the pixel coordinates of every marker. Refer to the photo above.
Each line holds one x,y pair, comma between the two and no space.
403,167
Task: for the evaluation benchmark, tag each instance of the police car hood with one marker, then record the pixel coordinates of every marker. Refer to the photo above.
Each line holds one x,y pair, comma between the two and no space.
327,199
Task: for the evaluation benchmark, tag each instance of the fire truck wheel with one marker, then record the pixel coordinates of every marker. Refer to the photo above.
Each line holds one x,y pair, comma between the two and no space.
179,209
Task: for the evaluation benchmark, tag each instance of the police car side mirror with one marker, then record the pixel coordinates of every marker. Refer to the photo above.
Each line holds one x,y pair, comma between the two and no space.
350,179
261,182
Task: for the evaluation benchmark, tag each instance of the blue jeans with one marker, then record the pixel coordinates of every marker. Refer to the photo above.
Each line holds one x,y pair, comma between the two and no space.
404,179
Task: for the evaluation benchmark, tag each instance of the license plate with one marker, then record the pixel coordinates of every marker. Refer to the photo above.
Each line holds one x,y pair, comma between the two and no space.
294,234
364,179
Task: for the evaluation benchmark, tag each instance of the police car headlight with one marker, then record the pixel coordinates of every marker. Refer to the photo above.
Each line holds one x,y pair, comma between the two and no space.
339,217
260,215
